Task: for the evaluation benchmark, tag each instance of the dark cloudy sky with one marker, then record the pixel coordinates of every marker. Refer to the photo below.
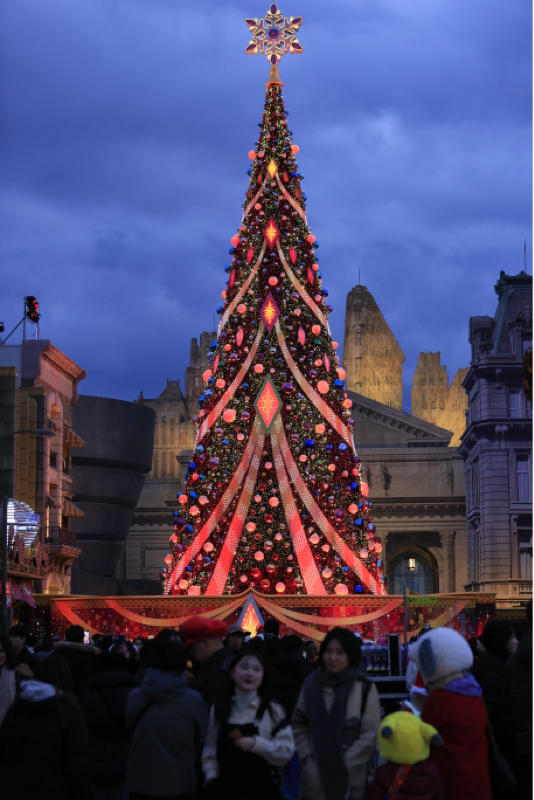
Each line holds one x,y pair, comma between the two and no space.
125,131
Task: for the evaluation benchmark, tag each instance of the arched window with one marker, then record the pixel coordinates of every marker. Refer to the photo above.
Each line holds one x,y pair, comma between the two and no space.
414,568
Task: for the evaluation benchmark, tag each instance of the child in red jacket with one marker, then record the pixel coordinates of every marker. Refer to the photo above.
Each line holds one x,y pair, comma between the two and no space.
409,773
454,706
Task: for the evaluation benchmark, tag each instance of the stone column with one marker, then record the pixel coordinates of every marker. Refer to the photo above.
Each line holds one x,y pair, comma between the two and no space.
447,543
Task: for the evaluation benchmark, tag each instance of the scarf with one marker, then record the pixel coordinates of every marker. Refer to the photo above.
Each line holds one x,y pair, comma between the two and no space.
327,727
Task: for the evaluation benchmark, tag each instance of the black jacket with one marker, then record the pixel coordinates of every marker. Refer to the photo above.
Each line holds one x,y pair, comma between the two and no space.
518,671
104,705
212,677
288,672
490,673
81,660
44,750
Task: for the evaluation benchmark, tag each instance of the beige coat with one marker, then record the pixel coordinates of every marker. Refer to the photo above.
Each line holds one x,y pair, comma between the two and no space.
356,756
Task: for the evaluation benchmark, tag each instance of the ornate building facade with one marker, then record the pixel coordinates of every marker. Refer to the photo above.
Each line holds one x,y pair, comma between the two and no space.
174,439
497,445
38,389
417,485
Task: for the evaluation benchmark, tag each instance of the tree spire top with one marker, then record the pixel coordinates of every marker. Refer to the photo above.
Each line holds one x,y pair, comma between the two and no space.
273,36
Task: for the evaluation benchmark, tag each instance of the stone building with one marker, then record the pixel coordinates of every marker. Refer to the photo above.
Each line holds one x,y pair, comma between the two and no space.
372,357
417,485
39,387
174,438
497,445
434,400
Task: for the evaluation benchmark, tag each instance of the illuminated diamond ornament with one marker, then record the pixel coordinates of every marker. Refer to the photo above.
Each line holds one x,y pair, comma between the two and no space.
272,169
268,404
274,35
269,312
271,233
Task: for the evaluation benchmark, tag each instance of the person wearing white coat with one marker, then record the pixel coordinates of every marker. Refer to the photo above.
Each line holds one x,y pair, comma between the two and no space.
249,739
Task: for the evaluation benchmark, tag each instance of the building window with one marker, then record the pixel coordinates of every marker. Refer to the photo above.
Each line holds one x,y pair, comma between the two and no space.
431,382
525,555
514,403
522,472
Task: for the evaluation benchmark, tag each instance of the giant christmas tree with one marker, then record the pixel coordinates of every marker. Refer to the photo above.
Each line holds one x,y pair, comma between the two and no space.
274,498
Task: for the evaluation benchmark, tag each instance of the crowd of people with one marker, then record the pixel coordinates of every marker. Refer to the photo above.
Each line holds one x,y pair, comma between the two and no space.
205,713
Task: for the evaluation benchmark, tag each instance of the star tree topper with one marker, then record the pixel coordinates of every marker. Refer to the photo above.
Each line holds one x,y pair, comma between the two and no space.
274,35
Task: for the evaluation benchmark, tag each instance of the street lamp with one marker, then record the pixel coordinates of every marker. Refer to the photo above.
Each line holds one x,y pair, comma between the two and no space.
40,433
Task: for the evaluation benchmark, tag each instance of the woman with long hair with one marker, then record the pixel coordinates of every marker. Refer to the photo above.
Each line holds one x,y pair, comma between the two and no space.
249,738
335,722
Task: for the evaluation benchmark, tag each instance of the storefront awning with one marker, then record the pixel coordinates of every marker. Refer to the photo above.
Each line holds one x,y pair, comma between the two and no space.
72,438
70,509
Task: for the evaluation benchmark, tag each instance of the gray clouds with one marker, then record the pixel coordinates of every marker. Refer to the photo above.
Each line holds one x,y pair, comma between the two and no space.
126,127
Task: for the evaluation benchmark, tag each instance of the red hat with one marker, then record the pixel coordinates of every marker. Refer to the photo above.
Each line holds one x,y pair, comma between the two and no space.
419,685
196,628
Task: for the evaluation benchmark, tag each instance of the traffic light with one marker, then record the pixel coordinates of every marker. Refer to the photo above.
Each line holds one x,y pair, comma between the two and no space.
31,307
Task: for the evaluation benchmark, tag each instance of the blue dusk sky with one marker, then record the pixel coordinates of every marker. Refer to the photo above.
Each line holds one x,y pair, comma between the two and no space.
126,126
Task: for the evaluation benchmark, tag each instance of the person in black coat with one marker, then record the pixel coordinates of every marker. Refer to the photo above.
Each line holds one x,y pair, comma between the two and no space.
499,642
43,740
80,657
288,672
168,722
518,671
104,705
203,639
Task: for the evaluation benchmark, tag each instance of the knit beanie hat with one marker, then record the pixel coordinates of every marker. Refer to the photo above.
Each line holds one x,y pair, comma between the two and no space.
441,652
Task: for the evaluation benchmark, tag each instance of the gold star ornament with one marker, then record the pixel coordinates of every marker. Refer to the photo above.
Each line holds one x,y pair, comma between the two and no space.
274,35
